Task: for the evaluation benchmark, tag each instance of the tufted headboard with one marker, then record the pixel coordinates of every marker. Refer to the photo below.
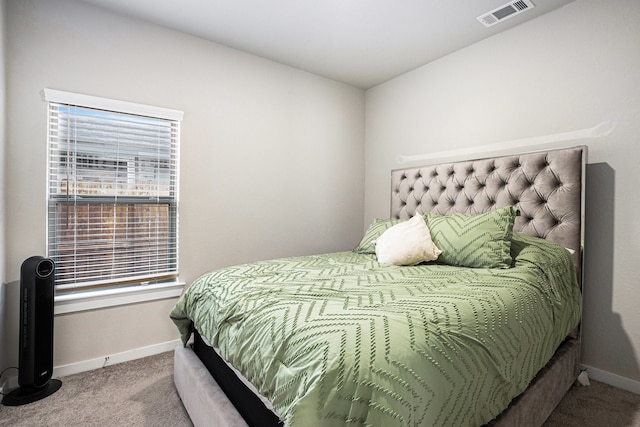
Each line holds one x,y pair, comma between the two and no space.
547,187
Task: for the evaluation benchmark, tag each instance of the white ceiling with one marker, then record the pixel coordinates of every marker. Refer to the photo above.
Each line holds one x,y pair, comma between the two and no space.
359,42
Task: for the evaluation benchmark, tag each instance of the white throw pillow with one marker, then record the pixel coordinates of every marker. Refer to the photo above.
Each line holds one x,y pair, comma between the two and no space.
407,243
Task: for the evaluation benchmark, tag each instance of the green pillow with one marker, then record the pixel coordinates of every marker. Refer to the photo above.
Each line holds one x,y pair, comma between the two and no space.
375,230
467,240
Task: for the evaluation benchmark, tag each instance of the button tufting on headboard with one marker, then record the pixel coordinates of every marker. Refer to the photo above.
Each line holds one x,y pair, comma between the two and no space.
545,186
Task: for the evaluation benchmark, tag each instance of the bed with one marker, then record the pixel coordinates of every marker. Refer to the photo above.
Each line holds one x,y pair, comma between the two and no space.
486,334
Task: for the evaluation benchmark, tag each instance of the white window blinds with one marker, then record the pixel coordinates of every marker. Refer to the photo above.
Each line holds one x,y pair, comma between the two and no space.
112,192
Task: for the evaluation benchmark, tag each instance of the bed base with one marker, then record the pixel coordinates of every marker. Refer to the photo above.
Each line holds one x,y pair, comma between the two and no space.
547,389
207,404
219,394
201,395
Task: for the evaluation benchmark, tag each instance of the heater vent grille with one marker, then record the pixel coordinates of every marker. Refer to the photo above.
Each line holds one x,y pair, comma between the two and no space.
505,12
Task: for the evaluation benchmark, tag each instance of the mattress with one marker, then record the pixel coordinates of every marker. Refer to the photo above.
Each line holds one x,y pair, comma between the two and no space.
339,338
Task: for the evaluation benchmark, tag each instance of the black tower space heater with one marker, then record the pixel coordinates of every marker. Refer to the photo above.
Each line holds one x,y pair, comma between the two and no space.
36,333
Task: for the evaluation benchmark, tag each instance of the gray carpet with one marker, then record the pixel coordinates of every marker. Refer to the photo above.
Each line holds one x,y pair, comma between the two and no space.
141,393
135,393
597,405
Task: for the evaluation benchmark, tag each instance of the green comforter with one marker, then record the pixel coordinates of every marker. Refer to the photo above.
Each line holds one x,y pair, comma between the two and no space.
339,339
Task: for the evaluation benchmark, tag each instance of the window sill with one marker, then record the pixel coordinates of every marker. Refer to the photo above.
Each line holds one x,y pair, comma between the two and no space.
92,300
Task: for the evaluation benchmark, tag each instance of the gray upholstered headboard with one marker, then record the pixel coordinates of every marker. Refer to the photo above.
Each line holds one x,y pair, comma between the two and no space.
547,187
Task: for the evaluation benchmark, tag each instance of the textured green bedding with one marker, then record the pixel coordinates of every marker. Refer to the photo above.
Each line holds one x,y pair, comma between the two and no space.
339,339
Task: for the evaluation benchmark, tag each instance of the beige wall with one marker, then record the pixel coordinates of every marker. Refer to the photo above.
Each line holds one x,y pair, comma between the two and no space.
271,157
571,69
3,356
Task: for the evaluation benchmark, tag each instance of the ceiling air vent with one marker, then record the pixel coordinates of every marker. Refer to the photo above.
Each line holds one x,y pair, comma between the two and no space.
505,12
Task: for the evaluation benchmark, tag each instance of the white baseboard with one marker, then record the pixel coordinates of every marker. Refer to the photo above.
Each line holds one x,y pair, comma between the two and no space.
111,359
612,379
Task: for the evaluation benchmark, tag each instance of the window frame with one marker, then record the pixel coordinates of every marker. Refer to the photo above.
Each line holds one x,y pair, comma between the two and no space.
138,291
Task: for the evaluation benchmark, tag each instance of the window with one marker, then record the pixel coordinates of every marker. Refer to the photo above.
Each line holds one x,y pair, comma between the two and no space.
112,192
